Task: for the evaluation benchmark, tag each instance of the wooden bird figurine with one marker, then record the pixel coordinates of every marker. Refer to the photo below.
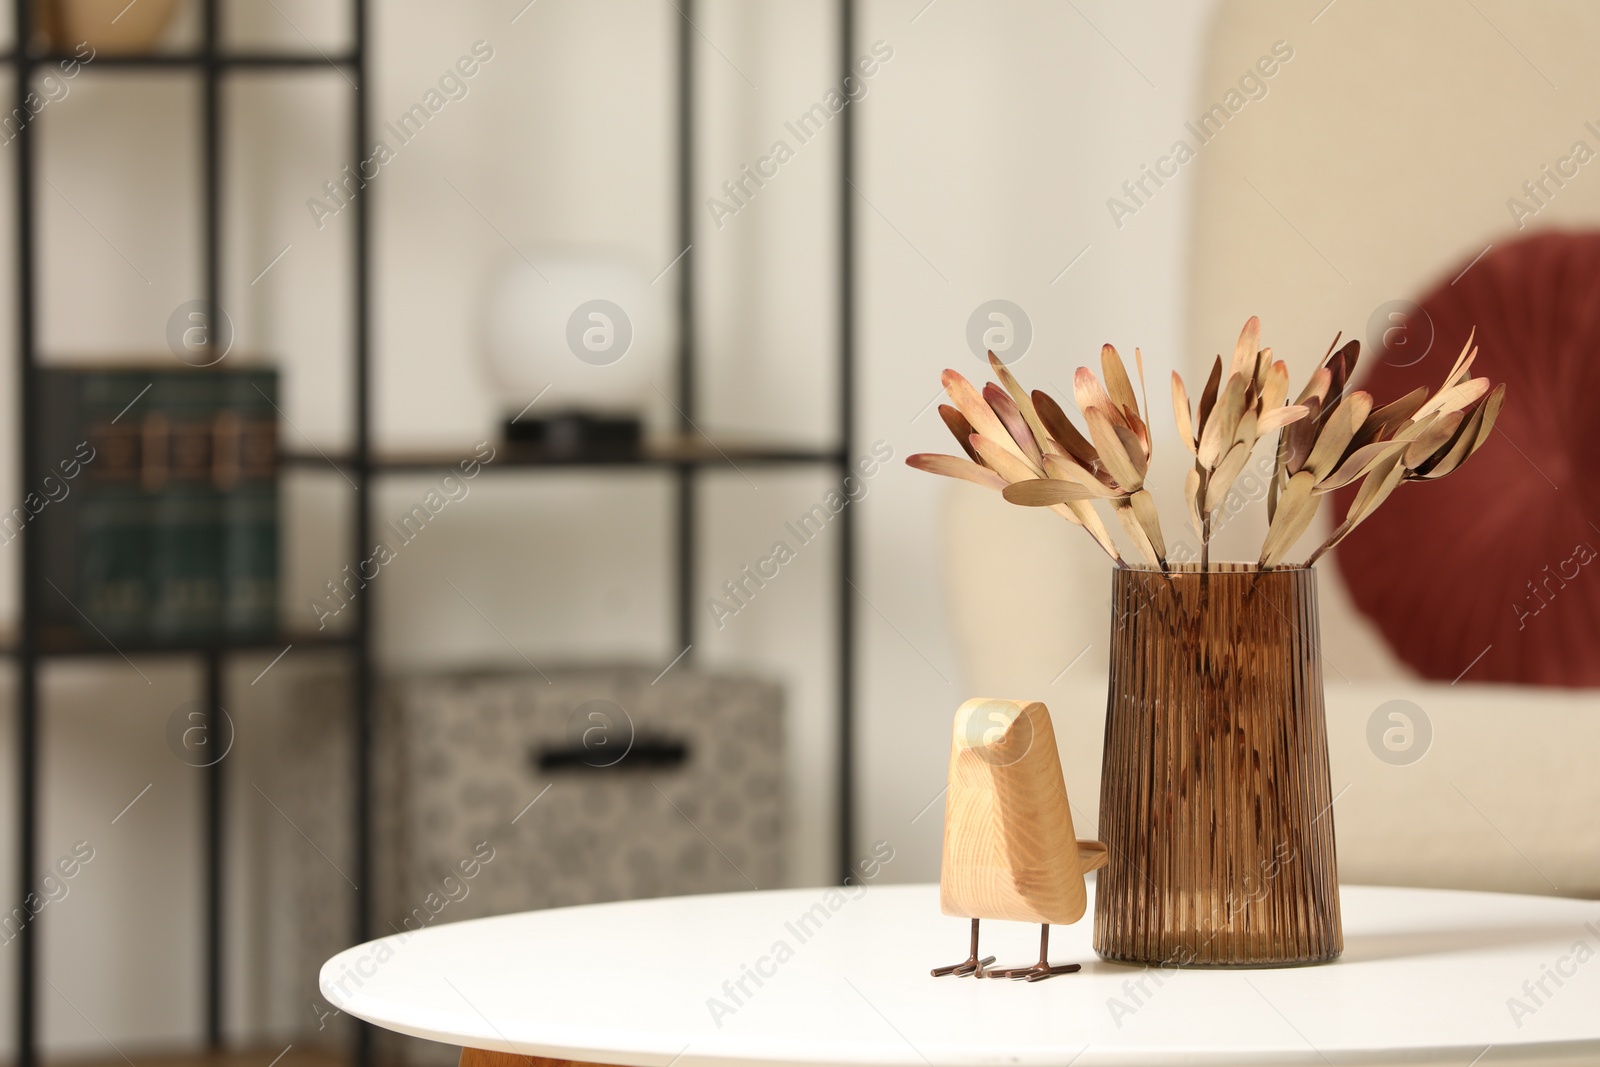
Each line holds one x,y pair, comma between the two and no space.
1009,847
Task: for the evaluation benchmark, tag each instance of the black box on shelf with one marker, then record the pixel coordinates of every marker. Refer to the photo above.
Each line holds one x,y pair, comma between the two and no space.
569,434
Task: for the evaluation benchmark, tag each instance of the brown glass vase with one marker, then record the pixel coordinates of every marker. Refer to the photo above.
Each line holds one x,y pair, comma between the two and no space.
1214,798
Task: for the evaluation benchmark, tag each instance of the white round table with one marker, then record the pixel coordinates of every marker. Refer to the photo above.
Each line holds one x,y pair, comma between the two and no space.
829,976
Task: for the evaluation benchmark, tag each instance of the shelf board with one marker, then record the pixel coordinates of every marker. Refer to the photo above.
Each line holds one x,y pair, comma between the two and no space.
71,643
186,60
667,453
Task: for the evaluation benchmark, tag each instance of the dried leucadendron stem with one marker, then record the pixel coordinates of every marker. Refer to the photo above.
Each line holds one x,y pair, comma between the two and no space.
1025,446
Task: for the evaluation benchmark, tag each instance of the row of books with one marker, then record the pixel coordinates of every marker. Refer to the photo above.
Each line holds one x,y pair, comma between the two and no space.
159,502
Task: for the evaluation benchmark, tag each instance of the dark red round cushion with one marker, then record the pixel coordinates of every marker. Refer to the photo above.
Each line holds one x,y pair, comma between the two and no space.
1491,574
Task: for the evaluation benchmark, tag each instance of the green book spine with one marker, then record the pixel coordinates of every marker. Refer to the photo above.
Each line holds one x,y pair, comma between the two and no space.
115,594
91,519
246,474
185,556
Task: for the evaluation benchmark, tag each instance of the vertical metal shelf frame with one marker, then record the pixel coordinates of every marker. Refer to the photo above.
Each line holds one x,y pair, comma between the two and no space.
213,847
27,657
685,484
847,438
361,341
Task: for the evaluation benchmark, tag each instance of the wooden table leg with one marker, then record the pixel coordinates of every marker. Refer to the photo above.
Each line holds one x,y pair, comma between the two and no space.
477,1057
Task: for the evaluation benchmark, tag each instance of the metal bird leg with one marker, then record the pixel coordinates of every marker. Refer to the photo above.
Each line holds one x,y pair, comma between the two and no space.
1038,972
971,965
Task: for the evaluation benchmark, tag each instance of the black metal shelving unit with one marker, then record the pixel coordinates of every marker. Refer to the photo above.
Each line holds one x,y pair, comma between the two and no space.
683,459
30,647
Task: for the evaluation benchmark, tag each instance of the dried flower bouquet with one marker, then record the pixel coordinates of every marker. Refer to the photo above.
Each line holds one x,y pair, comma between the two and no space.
1025,446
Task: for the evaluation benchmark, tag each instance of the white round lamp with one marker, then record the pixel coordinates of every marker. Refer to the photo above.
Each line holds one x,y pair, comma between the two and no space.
586,333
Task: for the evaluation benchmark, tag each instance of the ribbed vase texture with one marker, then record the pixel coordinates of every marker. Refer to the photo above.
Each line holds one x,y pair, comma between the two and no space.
1215,799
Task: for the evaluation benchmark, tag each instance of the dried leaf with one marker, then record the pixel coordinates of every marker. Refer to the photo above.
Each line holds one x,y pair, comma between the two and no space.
1044,493
1358,462
1472,436
1352,356
1264,363
1321,381
1410,431
1382,422
1191,497
1090,395
1438,437
1005,410
1217,437
1491,414
1063,432
1112,453
1380,482
1248,431
1144,390
1002,461
1136,448
1085,515
1140,430
1455,398
1343,365
955,467
1337,433
1463,363
1061,467
1118,386
1455,452
1222,480
1234,402
1297,506
1143,506
983,419
1019,396
1244,350
1208,398
1301,436
1180,412
1274,386
1136,533
961,428
1279,474
1278,418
